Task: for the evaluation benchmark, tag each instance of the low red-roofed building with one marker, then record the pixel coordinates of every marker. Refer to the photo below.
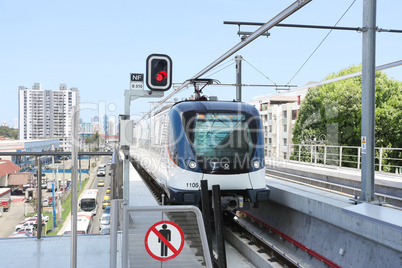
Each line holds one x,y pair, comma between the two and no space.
6,168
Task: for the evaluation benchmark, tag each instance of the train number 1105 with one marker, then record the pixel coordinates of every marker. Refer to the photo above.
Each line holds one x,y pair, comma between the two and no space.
192,184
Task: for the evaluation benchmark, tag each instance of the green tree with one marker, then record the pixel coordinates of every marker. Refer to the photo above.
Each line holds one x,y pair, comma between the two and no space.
333,112
94,139
8,132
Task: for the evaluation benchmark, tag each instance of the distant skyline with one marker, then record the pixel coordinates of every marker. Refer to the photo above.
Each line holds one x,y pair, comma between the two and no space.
95,45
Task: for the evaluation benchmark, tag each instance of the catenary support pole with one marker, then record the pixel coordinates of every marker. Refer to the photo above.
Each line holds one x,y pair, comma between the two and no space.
368,101
274,21
238,60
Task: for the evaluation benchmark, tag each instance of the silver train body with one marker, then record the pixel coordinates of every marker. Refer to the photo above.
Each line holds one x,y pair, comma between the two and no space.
191,141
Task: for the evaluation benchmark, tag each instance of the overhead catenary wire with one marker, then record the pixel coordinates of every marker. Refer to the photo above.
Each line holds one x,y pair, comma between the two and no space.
230,63
259,71
330,31
277,19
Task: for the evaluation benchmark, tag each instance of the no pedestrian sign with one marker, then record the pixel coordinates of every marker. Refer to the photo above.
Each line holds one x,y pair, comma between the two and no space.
164,240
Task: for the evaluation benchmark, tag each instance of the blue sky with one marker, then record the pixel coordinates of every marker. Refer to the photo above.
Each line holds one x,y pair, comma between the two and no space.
95,45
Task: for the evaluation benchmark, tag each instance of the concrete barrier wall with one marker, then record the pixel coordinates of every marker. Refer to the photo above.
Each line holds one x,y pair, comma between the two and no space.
317,220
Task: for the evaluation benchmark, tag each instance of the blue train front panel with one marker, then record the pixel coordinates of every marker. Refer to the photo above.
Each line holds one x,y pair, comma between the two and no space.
221,142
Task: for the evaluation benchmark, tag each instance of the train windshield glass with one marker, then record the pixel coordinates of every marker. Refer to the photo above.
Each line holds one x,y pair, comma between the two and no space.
221,137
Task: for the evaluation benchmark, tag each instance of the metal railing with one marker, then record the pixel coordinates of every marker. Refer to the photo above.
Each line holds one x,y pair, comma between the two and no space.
387,160
122,228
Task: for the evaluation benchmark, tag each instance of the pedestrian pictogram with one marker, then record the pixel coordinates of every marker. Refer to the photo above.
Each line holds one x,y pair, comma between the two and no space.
164,240
363,145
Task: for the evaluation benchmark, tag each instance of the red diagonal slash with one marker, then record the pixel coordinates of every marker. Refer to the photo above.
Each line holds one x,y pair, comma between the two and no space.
163,239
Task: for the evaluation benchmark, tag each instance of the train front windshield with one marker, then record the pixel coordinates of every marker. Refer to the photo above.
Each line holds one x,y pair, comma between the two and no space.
223,142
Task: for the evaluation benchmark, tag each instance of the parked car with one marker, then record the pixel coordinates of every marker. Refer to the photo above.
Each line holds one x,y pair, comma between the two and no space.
30,230
34,217
23,234
23,224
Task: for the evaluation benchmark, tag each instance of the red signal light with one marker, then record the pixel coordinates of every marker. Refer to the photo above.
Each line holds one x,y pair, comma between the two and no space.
160,76
159,72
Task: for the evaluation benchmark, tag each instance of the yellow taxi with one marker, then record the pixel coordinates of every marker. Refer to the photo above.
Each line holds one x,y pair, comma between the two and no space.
108,190
105,203
101,183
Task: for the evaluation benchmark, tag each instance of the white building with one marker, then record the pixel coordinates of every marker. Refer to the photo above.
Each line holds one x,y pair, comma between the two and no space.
112,130
47,114
278,113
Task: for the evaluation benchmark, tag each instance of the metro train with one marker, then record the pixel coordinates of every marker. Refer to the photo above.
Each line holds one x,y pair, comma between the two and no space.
218,141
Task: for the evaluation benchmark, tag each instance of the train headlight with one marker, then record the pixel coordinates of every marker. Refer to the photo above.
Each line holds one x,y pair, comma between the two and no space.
256,164
192,164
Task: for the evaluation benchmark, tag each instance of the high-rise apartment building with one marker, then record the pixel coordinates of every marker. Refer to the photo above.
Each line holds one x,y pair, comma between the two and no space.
47,114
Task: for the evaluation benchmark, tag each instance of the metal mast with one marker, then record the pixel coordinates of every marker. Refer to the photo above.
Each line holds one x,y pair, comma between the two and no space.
368,101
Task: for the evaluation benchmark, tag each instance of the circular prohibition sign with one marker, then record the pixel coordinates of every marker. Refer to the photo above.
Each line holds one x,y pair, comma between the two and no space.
164,240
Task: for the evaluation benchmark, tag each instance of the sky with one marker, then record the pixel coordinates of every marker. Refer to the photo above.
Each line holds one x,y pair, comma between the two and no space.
95,45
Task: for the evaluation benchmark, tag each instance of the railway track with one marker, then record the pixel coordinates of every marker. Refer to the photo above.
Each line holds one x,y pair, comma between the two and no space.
274,248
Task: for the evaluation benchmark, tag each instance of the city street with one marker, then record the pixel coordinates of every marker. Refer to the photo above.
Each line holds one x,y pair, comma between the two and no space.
19,208
12,217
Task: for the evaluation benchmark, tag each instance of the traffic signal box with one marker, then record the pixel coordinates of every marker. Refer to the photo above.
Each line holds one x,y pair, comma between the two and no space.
159,72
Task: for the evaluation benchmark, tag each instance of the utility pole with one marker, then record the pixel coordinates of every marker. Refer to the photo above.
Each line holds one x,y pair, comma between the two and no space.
368,101
238,60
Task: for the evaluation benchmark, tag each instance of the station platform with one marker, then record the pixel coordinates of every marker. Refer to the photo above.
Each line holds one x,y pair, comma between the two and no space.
141,196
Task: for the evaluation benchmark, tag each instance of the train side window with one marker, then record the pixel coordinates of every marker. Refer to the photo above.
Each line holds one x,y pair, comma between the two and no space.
172,147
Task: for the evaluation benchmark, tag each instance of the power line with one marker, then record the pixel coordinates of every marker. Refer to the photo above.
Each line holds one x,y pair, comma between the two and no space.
260,72
330,31
267,26
230,63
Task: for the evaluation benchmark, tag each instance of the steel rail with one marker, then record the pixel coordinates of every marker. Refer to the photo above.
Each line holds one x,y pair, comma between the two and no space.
294,242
